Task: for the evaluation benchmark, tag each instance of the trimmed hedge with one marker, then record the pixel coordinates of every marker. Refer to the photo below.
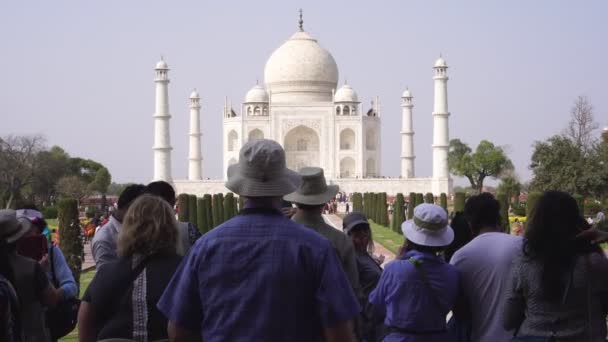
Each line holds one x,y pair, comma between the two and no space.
428,198
208,208
398,213
459,200
70,241
531,203
410,206
201,215
228,206
357,200
183,206
192,215
443,201
503,200
419,199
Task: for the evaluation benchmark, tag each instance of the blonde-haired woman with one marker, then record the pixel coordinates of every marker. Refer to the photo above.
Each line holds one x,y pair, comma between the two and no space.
120,302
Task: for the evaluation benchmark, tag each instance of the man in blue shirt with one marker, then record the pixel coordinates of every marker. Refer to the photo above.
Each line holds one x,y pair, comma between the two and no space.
260,276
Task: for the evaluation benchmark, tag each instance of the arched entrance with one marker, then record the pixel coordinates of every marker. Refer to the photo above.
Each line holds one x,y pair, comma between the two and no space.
302,148
347,167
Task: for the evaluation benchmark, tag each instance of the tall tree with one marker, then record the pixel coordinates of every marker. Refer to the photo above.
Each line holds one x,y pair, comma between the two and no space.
581,125
72,187
510,186
17,164
560,164
488,160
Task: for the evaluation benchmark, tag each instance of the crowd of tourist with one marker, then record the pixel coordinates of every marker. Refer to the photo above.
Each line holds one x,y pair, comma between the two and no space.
279,272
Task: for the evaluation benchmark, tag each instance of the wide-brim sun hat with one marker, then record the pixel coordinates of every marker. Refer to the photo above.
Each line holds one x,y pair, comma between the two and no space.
314,189
11,229
261,171
429,227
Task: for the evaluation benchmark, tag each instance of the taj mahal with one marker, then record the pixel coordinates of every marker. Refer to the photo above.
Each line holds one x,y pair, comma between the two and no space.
318,123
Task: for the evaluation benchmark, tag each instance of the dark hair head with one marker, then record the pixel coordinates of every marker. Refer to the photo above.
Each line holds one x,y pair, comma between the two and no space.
162,189
129,194
550,238
481,211
364,227
462,234
310,207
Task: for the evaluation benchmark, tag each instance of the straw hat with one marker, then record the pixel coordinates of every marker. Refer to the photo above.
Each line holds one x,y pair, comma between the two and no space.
11,229
314,189
261,171
429,227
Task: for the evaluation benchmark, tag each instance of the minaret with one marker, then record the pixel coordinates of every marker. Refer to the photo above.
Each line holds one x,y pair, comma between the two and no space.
407,136
162,138
195,159
441,134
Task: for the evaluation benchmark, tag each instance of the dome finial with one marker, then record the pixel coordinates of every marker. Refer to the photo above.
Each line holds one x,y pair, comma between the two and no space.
301,21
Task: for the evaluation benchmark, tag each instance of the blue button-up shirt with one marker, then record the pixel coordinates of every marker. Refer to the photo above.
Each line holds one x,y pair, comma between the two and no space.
407,302
259,277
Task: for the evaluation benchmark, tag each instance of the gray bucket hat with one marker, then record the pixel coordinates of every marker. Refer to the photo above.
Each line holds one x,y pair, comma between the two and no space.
429,227
11,229
351,220
261,171
314,189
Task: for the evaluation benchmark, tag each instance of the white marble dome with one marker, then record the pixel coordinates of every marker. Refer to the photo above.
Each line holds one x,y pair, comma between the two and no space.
162,64
407,93
440,63
257,94
301,70
194,94
346,94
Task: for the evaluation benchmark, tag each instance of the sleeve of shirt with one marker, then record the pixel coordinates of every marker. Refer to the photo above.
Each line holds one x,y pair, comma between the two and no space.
180,302
103,252
378,296
336,301
64,274
514,305
350,267
41,281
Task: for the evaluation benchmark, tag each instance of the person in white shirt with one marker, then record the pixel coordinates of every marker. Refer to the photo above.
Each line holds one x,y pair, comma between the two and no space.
484,265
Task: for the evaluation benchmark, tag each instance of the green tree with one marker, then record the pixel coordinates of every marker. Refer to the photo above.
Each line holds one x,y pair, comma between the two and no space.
384,209
209,211
443,201
241,202
488,160
18,164
419,199
398,213
559,164
580,201
428,198
531,203
72,187
357,202
510,186
503,200
228,206
183,205
459,201
410,205
201,216
101,181
192,210
70,242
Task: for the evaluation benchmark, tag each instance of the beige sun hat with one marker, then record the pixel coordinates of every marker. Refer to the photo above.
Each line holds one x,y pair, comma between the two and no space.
314,189
261,171
429,227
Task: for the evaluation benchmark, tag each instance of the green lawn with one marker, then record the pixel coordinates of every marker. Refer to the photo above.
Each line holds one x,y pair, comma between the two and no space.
386,237
85,280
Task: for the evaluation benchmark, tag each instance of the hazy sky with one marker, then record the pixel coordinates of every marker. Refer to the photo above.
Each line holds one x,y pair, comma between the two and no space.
81,73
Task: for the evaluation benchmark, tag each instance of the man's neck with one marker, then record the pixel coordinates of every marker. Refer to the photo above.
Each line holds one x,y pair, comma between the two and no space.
484,230
264,202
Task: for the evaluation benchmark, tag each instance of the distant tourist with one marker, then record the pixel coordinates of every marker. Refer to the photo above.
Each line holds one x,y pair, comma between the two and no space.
418,289
103,247
356,226
558,286
188,233
310,198
120,301
260,276
484,265
27,278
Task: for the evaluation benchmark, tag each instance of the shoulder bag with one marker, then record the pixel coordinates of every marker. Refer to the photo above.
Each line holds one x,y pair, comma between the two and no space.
62,318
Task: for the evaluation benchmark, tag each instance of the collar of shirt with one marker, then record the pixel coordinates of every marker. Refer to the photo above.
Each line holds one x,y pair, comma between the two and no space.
304,217
422,256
